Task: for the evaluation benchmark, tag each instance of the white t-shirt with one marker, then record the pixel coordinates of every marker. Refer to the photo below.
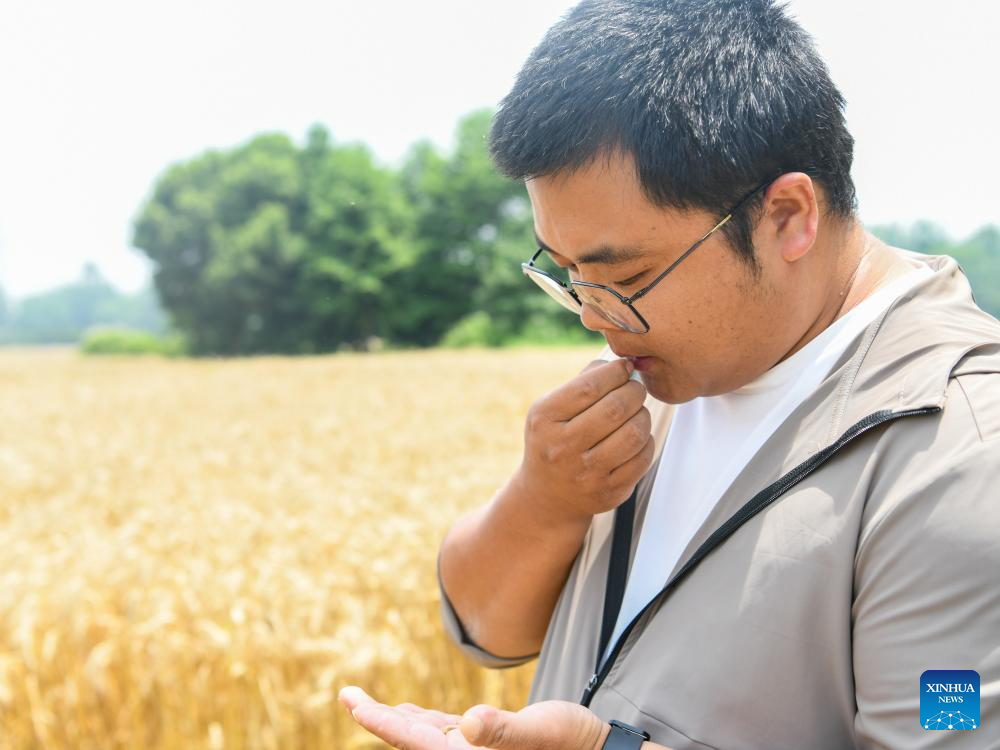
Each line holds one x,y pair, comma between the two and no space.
711,439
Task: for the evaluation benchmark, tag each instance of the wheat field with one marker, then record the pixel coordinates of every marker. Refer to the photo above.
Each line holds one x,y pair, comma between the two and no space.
199,554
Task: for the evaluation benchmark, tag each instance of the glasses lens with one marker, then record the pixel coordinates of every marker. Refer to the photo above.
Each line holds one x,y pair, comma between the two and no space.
609,307
553,288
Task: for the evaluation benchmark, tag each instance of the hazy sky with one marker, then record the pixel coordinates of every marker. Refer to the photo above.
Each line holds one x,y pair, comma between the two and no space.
98,98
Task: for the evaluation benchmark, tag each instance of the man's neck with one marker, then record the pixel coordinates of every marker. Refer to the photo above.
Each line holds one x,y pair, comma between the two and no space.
862,265
873,265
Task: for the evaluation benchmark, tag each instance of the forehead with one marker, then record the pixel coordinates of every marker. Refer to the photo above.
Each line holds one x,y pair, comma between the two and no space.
600,214
603,185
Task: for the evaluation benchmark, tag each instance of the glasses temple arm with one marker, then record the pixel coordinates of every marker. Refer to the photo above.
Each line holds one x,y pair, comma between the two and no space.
673,265
696,245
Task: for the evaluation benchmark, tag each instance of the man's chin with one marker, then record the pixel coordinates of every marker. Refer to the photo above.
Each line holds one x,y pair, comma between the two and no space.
661,389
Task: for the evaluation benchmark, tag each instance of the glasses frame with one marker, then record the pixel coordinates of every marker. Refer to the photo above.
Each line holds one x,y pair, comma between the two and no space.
530,267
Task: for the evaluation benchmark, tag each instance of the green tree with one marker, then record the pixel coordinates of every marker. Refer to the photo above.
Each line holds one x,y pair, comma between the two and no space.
463,217
358,238
228,258
921,237
4,315
979,255
62,315
273,248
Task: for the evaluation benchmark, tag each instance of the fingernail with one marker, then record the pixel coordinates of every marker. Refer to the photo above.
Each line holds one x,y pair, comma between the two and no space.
629,366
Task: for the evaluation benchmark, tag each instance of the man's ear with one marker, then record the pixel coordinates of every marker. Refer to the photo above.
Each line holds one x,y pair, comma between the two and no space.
791,215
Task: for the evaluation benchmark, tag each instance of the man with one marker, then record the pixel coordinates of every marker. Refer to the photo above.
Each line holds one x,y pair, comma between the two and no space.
812,444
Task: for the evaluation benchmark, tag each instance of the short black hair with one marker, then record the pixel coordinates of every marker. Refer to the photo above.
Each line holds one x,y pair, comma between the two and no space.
710,98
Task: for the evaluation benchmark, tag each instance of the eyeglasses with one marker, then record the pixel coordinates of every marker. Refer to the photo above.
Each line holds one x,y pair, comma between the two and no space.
608,303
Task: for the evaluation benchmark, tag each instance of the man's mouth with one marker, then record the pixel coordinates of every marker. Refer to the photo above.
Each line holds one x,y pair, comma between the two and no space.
628,355
641,363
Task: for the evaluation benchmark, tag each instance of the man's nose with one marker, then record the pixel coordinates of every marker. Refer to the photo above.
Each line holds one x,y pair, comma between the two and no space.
594,320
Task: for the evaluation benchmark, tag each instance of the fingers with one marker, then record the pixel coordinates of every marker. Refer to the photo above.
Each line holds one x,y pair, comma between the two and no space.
438,719
610,413
352,696
622,443
630,472
398,730
486,726
597,380
393,725
458,741
541,726
568,464
406,726
548,725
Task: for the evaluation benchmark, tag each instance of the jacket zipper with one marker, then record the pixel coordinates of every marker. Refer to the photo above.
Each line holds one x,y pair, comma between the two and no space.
753,506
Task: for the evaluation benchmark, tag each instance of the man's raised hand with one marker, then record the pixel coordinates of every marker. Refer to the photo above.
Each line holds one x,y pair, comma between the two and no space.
586,444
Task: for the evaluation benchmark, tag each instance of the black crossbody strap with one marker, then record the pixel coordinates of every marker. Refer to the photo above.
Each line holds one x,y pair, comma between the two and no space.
614,593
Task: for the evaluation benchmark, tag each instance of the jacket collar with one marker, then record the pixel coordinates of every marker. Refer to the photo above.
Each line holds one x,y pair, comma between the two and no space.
902,361
908,355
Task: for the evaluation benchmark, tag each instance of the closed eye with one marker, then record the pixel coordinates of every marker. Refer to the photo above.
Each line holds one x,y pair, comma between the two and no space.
631,280
574,272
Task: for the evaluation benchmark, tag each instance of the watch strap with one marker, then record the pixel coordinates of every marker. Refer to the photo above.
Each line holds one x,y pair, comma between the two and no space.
624,737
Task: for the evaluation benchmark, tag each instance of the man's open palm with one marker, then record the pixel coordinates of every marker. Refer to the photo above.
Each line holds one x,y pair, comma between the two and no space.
549,725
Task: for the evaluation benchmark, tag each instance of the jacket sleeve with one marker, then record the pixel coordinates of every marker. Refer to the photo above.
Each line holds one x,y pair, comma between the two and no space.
927,591
453,625
456,632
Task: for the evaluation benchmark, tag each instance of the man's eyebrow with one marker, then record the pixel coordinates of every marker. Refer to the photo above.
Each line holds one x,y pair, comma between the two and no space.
603,255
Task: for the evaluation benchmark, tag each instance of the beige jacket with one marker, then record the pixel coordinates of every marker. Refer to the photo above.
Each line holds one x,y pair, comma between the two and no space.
875,557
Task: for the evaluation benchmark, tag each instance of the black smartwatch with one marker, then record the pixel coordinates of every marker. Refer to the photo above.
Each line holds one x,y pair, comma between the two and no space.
624,737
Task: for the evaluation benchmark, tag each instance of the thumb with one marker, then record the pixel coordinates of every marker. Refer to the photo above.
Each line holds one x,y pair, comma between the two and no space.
486,726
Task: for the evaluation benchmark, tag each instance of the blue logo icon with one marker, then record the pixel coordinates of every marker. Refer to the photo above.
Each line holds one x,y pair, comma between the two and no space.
949,699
